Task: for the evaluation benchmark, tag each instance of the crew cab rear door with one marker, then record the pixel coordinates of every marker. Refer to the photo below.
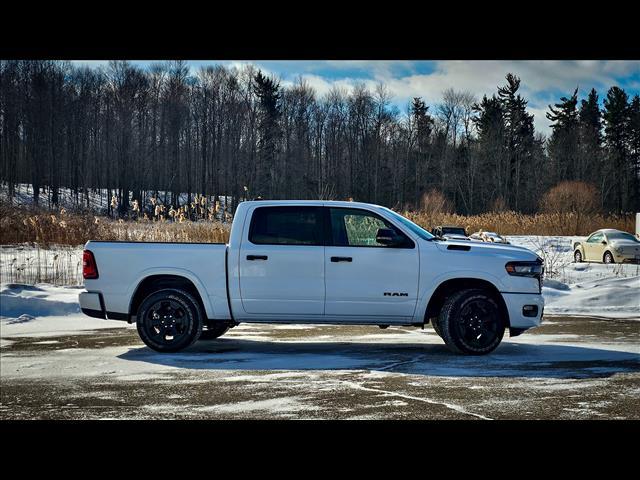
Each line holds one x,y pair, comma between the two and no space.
363,277
282,261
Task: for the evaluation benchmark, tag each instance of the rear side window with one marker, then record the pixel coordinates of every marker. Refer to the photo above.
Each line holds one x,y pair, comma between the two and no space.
286,226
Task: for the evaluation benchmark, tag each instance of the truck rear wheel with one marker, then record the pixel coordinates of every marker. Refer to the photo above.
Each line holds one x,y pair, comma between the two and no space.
471,322
169,320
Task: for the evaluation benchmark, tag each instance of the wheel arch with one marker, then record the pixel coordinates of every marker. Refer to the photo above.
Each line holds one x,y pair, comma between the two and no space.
449,287
159,281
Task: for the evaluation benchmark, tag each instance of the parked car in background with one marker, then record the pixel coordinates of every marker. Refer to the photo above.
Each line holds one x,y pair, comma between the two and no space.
450,232
608,246
492,237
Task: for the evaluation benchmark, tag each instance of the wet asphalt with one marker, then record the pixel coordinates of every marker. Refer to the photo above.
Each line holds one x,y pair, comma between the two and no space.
569,368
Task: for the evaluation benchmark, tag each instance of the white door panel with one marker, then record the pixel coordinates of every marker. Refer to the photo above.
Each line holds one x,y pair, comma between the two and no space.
377,281
290,281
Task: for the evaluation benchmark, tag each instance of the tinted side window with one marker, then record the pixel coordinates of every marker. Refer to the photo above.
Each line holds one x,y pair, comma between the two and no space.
358,228
596,237
286,226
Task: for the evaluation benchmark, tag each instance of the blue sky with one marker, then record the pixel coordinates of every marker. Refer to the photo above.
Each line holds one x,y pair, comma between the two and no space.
543,82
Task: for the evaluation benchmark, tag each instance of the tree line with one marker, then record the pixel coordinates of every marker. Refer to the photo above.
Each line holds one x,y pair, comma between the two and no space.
240,133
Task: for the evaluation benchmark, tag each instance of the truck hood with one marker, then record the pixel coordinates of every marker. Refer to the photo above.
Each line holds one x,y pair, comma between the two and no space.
500,250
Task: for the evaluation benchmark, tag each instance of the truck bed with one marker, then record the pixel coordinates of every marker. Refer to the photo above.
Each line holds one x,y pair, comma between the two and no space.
131,262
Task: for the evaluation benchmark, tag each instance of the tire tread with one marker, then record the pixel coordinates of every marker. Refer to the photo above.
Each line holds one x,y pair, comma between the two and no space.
187,298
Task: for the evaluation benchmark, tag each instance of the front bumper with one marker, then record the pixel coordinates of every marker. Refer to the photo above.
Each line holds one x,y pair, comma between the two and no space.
626,258
515,303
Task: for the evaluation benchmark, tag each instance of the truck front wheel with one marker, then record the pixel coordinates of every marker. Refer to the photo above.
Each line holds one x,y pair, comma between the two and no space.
169,320
471,322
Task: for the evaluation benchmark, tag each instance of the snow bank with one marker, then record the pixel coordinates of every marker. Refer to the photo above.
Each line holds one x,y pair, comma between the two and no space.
605,297
587,289
42,310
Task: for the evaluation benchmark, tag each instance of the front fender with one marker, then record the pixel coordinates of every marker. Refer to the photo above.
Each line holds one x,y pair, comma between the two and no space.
430,287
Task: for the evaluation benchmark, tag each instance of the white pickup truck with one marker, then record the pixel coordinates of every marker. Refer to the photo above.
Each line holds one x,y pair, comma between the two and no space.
316,262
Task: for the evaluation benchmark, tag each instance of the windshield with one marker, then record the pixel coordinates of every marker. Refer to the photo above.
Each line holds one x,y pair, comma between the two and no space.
453,230
417,229
621,236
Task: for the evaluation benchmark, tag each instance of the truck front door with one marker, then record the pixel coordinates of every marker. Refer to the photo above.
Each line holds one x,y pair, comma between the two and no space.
363,277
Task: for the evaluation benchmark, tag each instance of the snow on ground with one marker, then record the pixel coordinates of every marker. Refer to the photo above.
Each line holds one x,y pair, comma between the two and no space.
591,289
572,368
98,199
44,310
58,264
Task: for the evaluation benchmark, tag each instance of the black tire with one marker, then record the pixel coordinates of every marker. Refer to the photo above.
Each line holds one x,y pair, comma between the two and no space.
214,330
608,258
436,327
169,320
577,256
471,313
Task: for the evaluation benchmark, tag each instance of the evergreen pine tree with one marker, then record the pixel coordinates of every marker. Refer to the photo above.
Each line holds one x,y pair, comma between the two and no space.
268,92
519,136
423,126
616,126
563,145
590,140
634,151
490,126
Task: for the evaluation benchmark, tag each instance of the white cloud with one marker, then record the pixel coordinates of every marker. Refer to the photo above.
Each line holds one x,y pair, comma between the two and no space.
540,80
543,82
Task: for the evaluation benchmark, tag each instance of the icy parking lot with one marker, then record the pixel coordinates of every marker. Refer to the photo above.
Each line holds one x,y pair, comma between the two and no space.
57,363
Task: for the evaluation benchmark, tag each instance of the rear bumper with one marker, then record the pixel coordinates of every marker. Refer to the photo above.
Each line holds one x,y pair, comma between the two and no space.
516,302
92,304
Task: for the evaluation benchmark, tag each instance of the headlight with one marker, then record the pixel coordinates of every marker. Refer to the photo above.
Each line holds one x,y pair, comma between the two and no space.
618,249
525,269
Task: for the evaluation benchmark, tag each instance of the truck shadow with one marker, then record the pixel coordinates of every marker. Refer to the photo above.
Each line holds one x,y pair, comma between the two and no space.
509,360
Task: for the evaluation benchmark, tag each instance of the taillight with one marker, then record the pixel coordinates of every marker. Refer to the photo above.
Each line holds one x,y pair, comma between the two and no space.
89,267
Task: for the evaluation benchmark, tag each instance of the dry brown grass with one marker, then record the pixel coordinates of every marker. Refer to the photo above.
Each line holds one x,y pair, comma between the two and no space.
512,223
21,224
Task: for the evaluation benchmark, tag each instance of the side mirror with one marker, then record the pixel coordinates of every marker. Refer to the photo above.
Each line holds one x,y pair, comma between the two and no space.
388,237
604,242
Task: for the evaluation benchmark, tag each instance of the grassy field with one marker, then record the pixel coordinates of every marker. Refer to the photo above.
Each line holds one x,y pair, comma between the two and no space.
38,245
28,225
512,223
